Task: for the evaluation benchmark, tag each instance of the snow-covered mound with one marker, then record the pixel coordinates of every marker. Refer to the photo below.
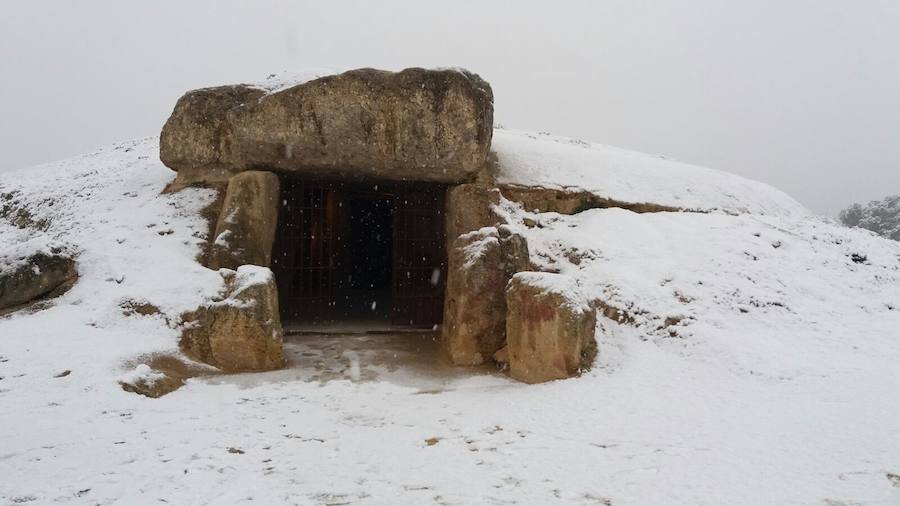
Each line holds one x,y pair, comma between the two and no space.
755,361
773,296
540,159
132,243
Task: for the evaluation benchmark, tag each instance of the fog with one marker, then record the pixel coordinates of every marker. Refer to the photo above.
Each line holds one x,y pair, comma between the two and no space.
804,95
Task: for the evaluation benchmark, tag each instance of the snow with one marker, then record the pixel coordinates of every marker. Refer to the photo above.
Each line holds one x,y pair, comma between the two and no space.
22,244
142,374
239,281
540,159
132,243
249,276
760,367
481,240
718,280
562,285
289,78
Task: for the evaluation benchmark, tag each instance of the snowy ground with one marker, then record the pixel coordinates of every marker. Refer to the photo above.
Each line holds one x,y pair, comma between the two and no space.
777,385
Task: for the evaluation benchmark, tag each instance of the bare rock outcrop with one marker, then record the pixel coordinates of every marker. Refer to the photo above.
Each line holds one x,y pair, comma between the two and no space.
417,124
549,327
241,331
572,201
246,226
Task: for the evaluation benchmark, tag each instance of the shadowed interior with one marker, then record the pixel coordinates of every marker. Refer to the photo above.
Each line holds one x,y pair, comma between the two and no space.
366,254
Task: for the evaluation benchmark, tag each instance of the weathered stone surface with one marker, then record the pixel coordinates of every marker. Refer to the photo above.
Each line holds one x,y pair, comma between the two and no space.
198,137
242,331
474,305
210,215
469,208
549,200
37,275
501,356
480,265
247,222
514,249
423,125
549,327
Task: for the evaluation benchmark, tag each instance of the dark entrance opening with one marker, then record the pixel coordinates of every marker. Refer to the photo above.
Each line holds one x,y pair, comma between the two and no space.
360,254
365,271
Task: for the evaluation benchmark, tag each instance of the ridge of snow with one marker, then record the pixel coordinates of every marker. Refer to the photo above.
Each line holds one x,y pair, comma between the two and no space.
540,159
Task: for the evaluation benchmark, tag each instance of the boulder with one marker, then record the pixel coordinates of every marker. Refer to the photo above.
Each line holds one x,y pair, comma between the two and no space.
417,124
246,226
549,327
480,265
29,273
240,331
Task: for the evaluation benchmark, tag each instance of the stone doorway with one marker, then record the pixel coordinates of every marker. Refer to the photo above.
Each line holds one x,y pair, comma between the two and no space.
362,256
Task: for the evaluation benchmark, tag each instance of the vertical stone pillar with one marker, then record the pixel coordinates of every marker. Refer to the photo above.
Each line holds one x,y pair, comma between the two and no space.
480,266
245,230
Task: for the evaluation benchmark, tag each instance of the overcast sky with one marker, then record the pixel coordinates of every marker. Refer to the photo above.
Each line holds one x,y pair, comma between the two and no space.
802,94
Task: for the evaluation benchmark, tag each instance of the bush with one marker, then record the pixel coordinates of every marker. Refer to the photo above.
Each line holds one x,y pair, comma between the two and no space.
879,216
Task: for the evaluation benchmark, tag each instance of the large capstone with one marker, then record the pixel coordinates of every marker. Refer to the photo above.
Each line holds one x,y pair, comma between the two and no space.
550,327
198,133
246,226
417,124
241,330
30,271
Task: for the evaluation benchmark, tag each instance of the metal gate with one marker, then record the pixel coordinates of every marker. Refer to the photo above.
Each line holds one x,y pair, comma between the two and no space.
308,244
304,250
420,261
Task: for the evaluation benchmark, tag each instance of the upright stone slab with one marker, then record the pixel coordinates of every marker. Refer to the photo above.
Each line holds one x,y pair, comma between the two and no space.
246,227
413,125
474,305
469,209
241,331
549,327
480,265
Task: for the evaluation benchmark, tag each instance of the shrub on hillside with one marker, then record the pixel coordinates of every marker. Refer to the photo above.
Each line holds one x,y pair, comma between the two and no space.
879,216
